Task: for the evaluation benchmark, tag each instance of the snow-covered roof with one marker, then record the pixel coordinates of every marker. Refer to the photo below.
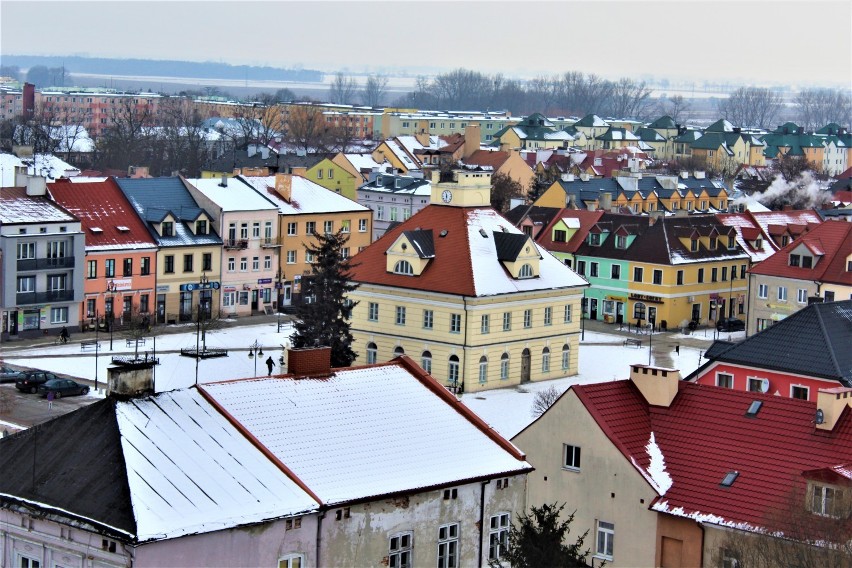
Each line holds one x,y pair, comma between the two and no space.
190,471
18,207
362,162
364,432
402,154
306,196
235,196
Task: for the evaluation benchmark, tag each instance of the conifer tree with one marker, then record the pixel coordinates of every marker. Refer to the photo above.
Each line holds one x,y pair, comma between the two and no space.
539,540
323,316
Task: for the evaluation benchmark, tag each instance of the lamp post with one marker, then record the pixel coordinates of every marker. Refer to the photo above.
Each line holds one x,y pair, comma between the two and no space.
255,352
111,291
202,284
279,276
97,346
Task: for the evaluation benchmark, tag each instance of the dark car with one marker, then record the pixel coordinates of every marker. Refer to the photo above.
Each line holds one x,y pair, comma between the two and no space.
62,387
9,375
730,324
31,380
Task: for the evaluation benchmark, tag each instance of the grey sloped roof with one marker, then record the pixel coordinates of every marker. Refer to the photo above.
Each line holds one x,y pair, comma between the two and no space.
814,341
509,245
423,241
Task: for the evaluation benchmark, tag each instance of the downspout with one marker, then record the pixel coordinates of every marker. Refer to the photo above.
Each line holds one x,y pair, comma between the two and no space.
481,520
701,526
464,345
320,517
748,303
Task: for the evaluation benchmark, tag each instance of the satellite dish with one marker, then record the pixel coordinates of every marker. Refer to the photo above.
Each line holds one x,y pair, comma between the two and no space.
820,416
764,385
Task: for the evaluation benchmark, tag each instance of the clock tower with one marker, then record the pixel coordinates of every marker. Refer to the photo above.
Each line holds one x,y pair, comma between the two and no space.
468,189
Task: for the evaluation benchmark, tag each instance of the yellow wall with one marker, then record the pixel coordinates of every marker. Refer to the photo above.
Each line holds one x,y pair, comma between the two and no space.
331,175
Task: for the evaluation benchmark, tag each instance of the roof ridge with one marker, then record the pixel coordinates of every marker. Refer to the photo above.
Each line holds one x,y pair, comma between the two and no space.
826,337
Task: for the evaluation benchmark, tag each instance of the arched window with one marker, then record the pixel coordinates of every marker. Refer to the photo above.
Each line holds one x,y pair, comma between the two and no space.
504,366
403,267
453,375
566,357
372,353
426,361
483,369
398,350
545,360
526,271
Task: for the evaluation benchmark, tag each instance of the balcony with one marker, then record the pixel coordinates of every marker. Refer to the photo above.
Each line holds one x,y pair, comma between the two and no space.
269,242
45,263
236,244
29,298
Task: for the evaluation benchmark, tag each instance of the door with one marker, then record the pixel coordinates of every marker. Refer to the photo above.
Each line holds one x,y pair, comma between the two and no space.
525,366
13,323
696,312
593,311
652,316
254,300
619,312
161,308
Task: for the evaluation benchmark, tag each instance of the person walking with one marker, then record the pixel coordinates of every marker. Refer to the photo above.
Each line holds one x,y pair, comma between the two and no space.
50,397
63,335
269,364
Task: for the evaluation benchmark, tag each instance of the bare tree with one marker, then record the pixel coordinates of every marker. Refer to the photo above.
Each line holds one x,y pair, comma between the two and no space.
583,94
374,90
754,107
126,141
503,189
677,107
629,99
817,107
544,92
183,137
307,130
543,400
342,90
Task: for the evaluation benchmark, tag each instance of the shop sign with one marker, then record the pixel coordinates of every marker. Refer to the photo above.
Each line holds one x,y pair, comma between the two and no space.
646,298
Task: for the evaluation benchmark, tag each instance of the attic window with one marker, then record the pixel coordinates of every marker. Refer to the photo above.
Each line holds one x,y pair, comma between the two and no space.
795,260
693,245
758,243
96,230
712,243
483,233
595,239
526,271
807,261
123,229
754,408
729,478
620,241
732,243
168,229
403,267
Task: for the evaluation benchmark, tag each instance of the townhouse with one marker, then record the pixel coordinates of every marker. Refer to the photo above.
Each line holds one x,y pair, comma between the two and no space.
335,177
532,133
393,199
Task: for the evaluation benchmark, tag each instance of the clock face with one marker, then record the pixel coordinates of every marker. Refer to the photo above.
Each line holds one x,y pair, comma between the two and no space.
447,196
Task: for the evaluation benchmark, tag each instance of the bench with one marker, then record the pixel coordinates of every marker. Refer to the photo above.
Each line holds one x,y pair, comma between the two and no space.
135,342
633,342
88,343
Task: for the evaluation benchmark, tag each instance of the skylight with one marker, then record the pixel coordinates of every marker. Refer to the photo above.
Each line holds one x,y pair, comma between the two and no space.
729,478
123,229
754,408
96,229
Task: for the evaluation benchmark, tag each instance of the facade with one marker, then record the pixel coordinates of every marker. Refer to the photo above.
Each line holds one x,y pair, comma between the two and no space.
97,109
663,472
250,256
797,357
468,296
261,495
335,177
303,209
188,266
399,122
533,132
42,252
393,199
815,265
121,255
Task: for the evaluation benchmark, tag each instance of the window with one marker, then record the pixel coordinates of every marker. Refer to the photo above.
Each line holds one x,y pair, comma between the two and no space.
168,229
581,267
693,245
800,392
485,324
267,263
267,230
27,562
526,271
448,546
507,321
827,501
26,284
309,257
400,315
344,226
504,366
712,243
714,275
571,457
455,323
187,262
782,294
59,315
732,242
362,225
498,535
399,552
545,360
145,266
393,213
615,272
109,268
255,230
291,229
232,264
483,369
426,361
593,269
527,319
26,251
606,537
742,271
373,311
548,316
794,260
807,261
319,174
802,296
403,267
559,236
201,227
291,561
453,373
169,267
328,227
207,261
372,353
310,228
680,277
724,380
92,269
658,276
755,385
291,257
567,316
380,212
143,303
428,319
762,291
595,239
244,230
255,263
700,275
620,241
724,273
637,273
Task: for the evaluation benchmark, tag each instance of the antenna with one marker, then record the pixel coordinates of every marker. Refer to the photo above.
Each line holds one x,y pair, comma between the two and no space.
764,385
820,416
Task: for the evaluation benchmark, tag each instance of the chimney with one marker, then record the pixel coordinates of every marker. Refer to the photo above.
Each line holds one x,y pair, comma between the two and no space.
605,201
28,98
584,176
572,201
284,186
423,139
309,361
36,186
299,171
830,406
684,175
657,384
700,174
568,177
133,379
224,182
472,139
653,216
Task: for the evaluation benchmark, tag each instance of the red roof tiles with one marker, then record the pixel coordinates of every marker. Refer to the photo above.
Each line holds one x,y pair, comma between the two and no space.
832,238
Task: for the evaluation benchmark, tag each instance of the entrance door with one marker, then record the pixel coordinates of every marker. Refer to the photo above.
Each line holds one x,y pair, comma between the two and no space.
652,316
254,300
696,312
13,323
161,308
525,366
619,312
593,312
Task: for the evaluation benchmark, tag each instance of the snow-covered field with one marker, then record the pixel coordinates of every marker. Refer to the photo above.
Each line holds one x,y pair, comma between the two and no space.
602,358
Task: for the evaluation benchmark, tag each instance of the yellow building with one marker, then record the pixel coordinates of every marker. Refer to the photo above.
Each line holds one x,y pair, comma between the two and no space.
467,295
333,176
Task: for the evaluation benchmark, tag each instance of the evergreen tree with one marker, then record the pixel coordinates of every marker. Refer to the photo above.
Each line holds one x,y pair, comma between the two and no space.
323,316
539,540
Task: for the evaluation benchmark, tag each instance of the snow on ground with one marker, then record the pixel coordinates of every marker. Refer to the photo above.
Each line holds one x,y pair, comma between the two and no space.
602,358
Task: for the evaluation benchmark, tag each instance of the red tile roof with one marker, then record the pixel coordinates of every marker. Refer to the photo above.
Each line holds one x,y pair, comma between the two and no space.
832,238
588,219
705,433
103,205
487,158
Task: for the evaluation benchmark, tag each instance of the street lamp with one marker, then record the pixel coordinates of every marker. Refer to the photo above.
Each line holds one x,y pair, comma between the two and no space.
202,284
111,291
97,326
279,276
255,352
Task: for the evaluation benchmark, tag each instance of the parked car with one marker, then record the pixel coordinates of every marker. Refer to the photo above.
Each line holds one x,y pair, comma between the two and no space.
9,375
730,324
31,380
62,387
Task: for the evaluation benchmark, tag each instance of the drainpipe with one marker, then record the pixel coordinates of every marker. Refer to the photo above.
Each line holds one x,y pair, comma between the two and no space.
481,520
464,345
320,517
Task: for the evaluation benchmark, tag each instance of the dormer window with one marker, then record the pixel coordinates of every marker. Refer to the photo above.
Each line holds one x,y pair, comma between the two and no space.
807,261
758,243
559,236
732,243
201,227
620,241
712,243
826,501
526,271
693,245
795,260
595,239
168,229
403,267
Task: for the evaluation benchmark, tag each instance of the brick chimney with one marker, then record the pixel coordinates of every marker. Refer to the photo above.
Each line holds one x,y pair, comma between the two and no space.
423,138
831,403
472,139
309,361
657,384
284,186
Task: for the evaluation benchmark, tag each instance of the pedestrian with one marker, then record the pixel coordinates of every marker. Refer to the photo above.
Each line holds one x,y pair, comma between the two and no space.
269,364
63,335
50,397
677,349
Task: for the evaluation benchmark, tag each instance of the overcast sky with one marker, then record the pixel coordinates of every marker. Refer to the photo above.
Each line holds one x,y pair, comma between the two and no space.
799,42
